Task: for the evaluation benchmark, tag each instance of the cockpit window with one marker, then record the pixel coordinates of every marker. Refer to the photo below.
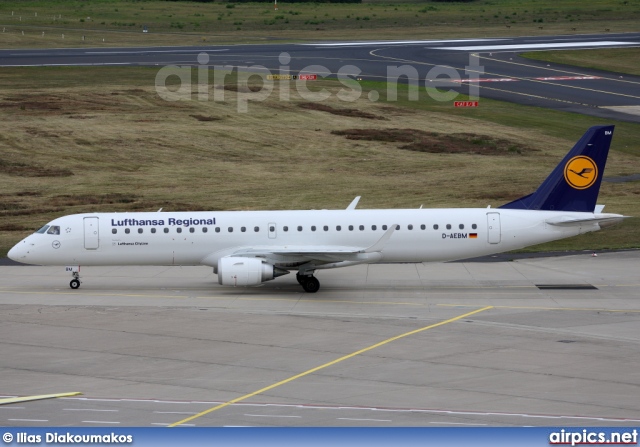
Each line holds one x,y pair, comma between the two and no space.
54,229
43,229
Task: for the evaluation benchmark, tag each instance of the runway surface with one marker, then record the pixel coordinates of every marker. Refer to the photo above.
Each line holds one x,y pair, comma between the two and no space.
456,344
499,73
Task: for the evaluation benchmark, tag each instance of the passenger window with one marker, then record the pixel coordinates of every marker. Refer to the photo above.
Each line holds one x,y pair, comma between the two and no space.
384,227
153,230
140,230
43,229
461,226
423,227
409,227
435,227
179,230
54,229
114,230
192,230
271,228
230,229
256,229
205,229
299,228
350,227
285,228
338,228
448,226
313,228
166,230
217,229
397,227
243,229
126,230
325,228
373,227
361,227
474,226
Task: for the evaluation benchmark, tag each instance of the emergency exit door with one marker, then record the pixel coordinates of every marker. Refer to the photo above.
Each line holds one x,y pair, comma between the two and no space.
273,230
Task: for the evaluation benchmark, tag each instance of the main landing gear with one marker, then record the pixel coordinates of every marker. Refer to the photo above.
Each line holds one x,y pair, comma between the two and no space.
309,283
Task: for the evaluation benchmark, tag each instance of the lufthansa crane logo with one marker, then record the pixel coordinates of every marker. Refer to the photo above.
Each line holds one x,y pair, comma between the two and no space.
581,172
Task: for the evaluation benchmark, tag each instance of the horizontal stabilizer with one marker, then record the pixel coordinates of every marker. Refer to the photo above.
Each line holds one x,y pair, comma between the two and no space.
604,220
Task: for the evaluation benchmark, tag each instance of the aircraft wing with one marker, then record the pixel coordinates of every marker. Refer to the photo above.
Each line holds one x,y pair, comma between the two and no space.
329,255
303,253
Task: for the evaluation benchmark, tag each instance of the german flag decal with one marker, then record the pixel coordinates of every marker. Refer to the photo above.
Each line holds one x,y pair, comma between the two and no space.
473,235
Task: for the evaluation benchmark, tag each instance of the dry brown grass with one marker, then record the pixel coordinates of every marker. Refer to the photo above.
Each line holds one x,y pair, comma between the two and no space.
354,113
435,143
129,150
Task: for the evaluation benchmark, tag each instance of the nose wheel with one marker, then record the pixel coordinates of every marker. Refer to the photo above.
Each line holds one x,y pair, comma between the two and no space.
75,282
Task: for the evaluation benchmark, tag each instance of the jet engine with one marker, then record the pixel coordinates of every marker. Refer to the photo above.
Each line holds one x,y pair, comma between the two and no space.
246,271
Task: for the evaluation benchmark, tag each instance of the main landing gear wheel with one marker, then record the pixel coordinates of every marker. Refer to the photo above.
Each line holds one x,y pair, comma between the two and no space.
310,284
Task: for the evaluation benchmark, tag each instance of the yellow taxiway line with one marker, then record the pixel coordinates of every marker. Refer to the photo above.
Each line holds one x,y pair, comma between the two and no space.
13,400
326,365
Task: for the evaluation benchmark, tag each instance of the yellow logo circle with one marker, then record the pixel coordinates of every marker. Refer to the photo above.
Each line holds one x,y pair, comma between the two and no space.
581,172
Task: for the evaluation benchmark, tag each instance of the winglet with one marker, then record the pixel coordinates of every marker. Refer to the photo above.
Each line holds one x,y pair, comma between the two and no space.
378,246
354,203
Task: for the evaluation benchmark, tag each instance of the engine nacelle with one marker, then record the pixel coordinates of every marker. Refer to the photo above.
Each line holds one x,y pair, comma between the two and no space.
246,271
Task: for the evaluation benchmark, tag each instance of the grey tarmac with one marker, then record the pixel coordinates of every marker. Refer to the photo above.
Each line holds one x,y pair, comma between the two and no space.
153,346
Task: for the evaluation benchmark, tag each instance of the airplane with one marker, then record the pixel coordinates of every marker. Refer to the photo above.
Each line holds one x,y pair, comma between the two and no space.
247,248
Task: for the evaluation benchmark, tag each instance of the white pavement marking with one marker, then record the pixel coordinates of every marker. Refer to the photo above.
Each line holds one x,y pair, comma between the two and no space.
454,423
373,420
377,409
100,422
164,424
86,409
152,51
541,46
29,420
70,65
271,416
393,42
175,412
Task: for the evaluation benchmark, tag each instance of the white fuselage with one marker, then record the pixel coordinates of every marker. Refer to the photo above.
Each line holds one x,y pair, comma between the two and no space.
202,238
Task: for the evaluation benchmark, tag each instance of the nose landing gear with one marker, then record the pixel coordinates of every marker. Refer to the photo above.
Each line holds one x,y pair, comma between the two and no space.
75,272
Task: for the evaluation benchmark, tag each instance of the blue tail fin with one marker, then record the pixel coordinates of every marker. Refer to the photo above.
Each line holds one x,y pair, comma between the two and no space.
574,183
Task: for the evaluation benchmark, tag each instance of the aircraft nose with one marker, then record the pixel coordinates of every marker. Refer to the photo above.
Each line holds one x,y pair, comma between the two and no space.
19,252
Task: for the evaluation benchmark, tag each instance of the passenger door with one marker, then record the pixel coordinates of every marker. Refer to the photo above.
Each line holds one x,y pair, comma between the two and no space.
493,225
91,233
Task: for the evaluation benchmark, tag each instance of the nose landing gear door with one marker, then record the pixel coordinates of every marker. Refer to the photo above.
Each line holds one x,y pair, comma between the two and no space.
91,233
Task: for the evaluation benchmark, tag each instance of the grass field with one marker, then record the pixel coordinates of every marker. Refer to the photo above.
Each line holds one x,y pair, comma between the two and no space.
86,139
620,60
41,23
